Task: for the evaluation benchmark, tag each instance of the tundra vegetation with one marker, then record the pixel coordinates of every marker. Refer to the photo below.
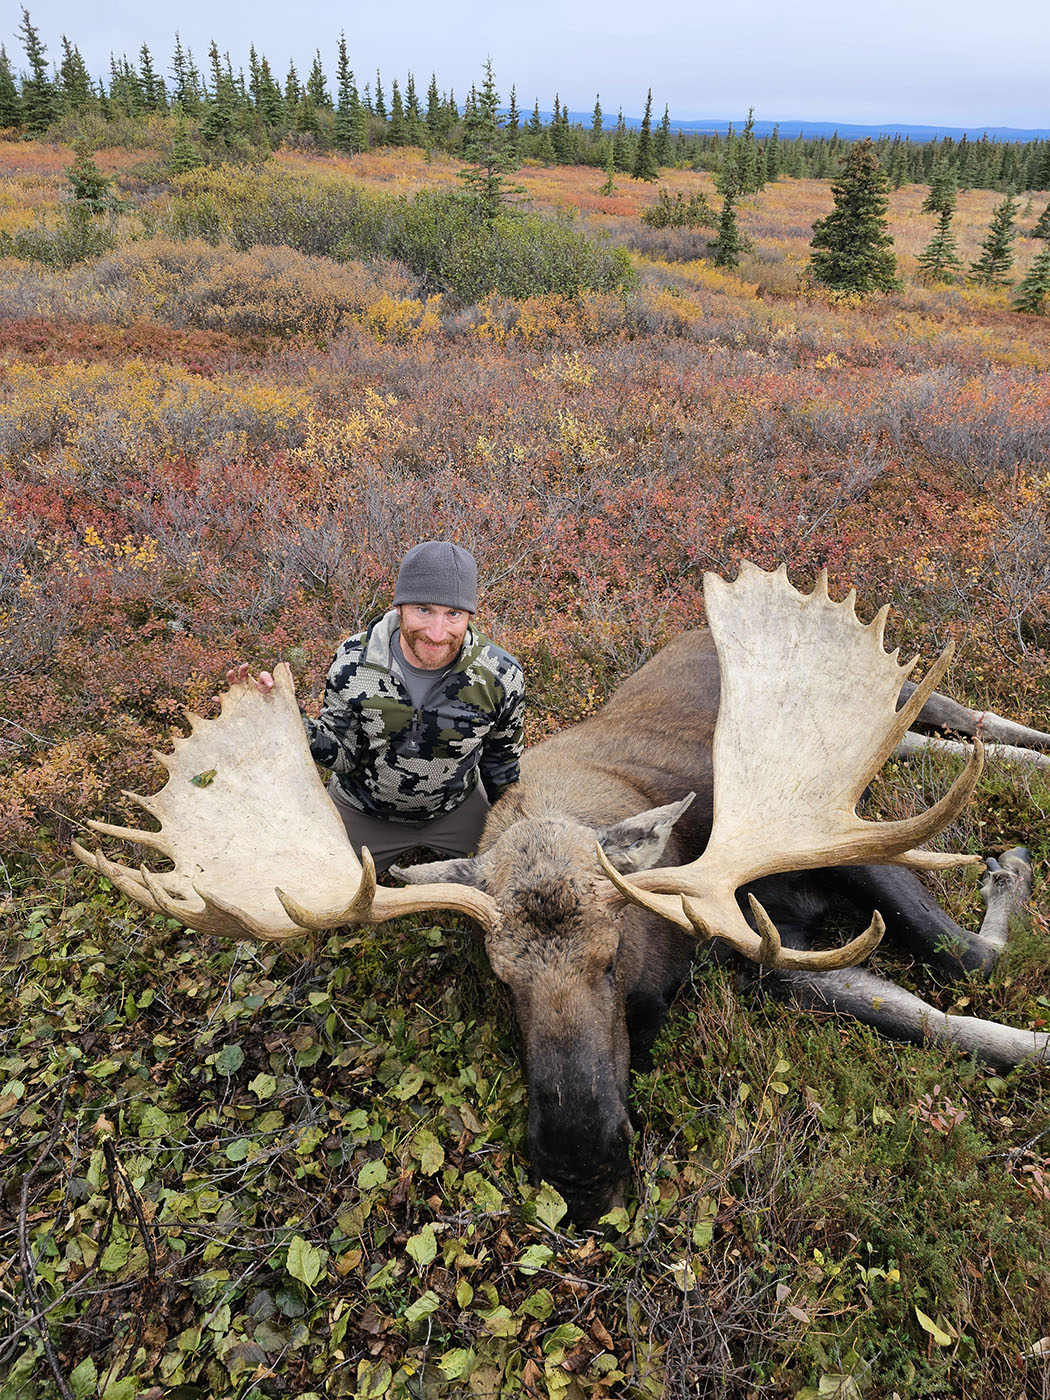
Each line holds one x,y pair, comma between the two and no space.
225,413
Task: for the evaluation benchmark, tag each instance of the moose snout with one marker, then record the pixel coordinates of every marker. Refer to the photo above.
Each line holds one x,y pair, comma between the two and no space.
585,1156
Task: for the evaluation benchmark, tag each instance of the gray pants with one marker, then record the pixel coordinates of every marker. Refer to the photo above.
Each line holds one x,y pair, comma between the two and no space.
454,834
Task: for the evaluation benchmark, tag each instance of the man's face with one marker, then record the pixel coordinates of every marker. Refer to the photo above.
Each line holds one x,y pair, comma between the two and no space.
431,635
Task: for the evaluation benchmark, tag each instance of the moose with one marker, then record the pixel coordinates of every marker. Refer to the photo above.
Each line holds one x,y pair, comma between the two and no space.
728,766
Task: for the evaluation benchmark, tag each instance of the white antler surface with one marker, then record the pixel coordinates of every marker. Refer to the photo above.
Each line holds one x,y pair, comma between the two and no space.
807,717
257,845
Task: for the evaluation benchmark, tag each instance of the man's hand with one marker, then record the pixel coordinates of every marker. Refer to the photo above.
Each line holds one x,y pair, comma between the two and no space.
239,675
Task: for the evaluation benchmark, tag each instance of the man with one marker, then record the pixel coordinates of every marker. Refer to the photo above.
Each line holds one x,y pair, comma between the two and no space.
422,717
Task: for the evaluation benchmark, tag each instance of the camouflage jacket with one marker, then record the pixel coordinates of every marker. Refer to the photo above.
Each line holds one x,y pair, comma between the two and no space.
471,727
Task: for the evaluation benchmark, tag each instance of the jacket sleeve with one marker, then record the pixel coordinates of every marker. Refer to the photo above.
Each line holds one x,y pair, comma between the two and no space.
501,751
334,737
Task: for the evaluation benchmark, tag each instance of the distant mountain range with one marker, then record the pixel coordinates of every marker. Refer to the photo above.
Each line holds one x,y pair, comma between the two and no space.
849,131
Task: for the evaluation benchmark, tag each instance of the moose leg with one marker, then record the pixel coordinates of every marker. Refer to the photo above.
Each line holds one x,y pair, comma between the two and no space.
875,1000
949,717
919,923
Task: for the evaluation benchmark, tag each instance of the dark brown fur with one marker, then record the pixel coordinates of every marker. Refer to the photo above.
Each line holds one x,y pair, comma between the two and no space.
591,980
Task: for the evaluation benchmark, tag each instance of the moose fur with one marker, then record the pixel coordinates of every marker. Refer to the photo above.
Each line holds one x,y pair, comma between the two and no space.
591,984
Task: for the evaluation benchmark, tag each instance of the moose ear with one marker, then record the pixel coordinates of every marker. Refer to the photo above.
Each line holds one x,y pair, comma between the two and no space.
460,871
637,843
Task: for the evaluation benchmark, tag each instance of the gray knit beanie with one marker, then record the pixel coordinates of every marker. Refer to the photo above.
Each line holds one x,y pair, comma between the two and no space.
439,572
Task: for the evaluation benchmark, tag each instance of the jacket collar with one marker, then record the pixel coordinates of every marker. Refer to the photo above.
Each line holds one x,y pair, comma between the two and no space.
377,643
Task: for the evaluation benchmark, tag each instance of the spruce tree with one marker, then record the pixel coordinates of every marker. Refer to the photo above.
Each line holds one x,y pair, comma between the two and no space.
39,96
317,85
1042,225
485,146
662,141
220,113
620,145
269,101
184,154
435,110
397,134
745,157
512,127
90,187
348,131
939,257
997,253
772,154
941,196
154,92
852,247
74,81
10,102
645,166
187,91
1033,290
596,119
559,133
414,130
609,186
729,243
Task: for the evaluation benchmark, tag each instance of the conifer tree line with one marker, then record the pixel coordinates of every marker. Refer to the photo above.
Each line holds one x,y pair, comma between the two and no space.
220,110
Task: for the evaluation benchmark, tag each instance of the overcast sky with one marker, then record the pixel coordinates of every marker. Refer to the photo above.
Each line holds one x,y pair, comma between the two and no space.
968,63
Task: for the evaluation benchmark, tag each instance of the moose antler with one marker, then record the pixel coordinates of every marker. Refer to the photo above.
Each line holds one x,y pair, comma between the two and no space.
244,818
807,718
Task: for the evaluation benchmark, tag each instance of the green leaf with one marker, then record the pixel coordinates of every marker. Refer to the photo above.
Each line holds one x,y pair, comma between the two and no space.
305,1261
239,1149
539,1305
408,1085
263,1086
501,1322
372,1174
125,1389
534,1258
229,1059
428,1152
458,1363
567,1335
464,1293
154,1123
482,1192
424,1305
939,1335
703,1233
83,1379
422,1247
550,1206
617,1219
115,1255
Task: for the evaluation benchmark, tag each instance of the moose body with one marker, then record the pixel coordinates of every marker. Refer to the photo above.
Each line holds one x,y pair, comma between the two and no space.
598,872
591,987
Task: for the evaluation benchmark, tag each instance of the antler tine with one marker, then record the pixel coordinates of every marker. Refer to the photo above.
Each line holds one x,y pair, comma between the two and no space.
119,875
807,717
357,910
154,839
374,904
720,917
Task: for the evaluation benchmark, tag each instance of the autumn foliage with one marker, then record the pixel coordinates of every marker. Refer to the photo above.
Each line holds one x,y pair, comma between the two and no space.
217,439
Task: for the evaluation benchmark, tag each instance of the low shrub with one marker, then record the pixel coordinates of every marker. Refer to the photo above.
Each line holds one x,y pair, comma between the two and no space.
435,233
441,240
